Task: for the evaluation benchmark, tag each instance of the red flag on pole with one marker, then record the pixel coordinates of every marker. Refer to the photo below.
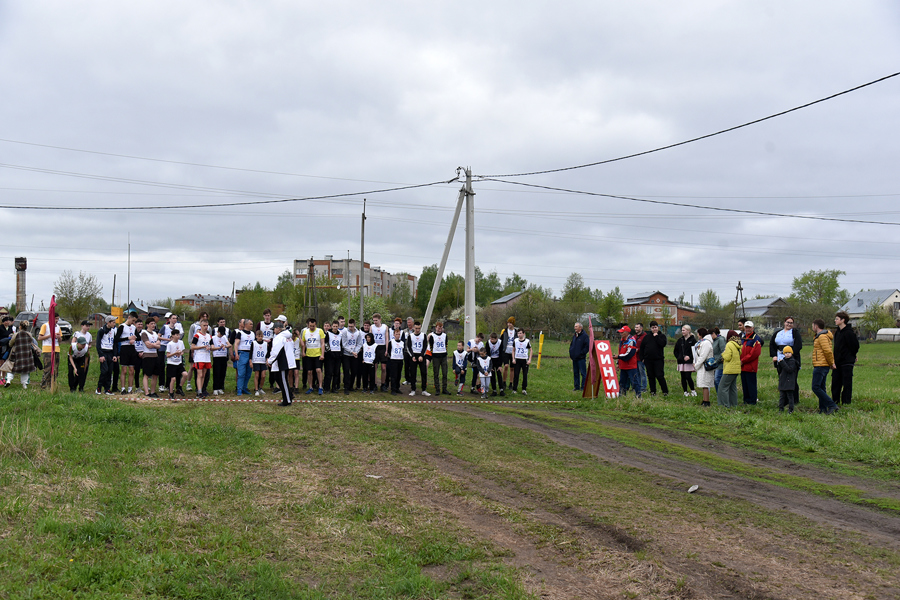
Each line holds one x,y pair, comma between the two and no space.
51,329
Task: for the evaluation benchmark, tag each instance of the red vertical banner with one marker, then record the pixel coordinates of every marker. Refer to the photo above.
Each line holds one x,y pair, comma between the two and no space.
607,367
51,329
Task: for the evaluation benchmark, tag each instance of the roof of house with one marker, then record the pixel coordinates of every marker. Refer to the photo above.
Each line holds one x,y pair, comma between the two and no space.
761,302
507,298
642,296
863,300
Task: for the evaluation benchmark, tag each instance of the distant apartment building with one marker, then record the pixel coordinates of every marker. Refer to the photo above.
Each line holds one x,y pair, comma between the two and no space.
197,300
375,281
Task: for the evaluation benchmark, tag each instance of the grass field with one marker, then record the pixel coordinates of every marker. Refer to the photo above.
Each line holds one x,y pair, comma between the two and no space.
117,497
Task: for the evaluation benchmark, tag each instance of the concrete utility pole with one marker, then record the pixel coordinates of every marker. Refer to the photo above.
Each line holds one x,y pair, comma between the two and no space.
362,267
426,321
470,325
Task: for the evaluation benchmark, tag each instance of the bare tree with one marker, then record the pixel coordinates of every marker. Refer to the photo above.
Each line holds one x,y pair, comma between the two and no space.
77,297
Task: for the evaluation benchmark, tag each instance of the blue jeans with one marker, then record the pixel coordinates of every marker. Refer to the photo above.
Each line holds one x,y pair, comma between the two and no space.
244,370
820,374
642,376
719,372
629,378
579,371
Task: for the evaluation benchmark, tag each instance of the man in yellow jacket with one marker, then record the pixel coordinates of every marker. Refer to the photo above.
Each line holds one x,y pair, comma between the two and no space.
823,361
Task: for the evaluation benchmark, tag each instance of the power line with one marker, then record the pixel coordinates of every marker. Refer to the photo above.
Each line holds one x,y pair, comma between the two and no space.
697,206
190,164
696,139
223,204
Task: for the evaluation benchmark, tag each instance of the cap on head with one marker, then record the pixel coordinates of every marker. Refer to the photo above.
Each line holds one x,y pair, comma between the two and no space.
110,318
625,329
81,340
281,318
748,324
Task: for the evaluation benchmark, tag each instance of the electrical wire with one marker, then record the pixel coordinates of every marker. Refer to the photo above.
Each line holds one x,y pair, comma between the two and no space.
697,206
225,204
696,139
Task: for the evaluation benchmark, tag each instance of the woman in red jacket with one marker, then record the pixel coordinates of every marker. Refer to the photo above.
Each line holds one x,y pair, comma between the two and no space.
751,348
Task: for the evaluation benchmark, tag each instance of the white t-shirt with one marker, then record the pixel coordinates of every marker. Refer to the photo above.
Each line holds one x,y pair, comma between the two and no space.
174,347
439,343
88,338
201,355
259,352
247,339
397,347
521,349
220,341
268,330
380,334
147,336
369,353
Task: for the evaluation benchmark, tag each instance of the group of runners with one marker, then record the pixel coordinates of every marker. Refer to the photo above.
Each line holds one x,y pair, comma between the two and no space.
155,356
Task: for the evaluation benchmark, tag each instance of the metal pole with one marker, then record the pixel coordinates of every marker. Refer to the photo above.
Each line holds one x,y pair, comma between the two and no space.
347,281
426,321
362,266
470,328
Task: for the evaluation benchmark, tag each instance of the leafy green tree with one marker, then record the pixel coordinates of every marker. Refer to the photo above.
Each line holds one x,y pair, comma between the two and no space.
819,287
876,317
609,310
426,283
371,305
77,297
574,289
487,288
709,301
515,283
251,302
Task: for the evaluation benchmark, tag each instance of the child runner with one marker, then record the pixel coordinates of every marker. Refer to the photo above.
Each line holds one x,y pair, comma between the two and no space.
139,349
415,353
437,344
493,348
351,342
195,327
259,351
79,361
220,347
200,345
127,356
507,343
150,341
460,360
294,376
106,352
484,368
175,373
474,348
366,329
333,359
396,351
379,333
368,354
311,340
521,360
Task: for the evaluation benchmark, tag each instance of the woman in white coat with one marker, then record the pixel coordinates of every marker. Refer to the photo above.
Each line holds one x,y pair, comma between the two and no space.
702,351
281,360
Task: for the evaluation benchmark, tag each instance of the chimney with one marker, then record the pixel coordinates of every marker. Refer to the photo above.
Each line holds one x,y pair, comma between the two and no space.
21,264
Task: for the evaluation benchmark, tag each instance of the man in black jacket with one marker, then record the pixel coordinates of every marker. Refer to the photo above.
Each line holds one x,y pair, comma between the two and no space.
846,345
578,349
651,352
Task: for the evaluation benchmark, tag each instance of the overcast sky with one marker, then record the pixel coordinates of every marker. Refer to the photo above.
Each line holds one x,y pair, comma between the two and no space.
301,99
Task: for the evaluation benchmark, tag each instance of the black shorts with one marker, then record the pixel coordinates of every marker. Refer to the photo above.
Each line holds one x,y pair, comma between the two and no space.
148,364
260,367
173,371
381,354
311,363
128,356
506,358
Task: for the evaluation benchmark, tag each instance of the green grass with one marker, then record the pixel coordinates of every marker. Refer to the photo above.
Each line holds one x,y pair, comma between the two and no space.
862,439
105,499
